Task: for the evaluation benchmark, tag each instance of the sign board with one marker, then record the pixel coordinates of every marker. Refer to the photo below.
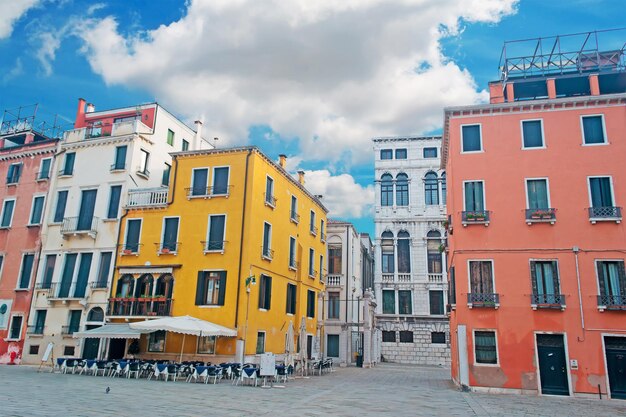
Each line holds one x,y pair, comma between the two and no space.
268,364
46,354
573,363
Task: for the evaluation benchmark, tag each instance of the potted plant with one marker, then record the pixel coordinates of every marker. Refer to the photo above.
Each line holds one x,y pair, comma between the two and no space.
126,251
442,247
165,250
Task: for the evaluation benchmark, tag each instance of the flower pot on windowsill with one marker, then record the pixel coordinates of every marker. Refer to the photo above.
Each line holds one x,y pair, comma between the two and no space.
127,252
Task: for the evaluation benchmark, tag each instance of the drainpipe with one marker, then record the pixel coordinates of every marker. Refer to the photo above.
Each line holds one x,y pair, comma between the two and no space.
348,331
580,297
243,224
119,231
173,180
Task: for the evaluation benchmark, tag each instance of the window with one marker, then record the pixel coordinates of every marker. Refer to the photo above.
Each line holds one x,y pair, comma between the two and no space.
438,337
82,277
185,146
433,253
211,288
436,302
544,277
260,343
69,350
601,192
485,347
291,299
144,162
294,209
170,137
332,345
7,213
292,252
217,225
400,153
406,336
169,242
133,229
310,304
333,305
44,169
532,134
5,311
206,344
220,180
389,302
15,329
321,271
443,188
14,172
430,152
402,190
26,270
59,211
593,130
386,190
36,211
267,241
404,252
33,350
269,191
311,261
114,201
452,286
120,158
431,188
612,282
537,193
389,336
386,154
474,197
322,235
68,167
165,180
199,181
334,259
265,292
387,252
74,321
68,275
312,227
103,269
156,341
405,303
481,277
471,137
48,271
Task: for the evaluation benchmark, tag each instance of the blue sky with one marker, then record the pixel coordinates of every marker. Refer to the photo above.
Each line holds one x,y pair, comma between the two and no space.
314,81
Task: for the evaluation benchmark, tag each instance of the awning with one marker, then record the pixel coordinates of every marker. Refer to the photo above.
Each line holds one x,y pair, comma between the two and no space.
112,331
185,325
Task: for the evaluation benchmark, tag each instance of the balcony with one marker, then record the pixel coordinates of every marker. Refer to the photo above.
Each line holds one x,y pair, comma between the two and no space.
208,192
80,226
147,197
435,278
312,273
99,285
404,277
118,167
611,302
605,214
143,172
267,253
69,330
475,217
294,217
546,215
43,175
549,301
483,300
140,307
313,230
130,249
388,278
270,200
44,286
211,246
323,237
333,280
35,330
167,248
124,128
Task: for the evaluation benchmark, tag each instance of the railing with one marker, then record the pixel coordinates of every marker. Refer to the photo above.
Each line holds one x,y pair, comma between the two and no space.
313,273
475,217
99,285
43,175
404,277
612,302
605,214
147,197
167,248
157,306
333,280
65,172
547,301
208,192
295,217
13,179
77,225
267,253
45,286
35,330
130,248
118,167
487,300
270,200
323,237
388,278
435,277
143,172
69,330
124,128
213,245
313,230
294,265
543,215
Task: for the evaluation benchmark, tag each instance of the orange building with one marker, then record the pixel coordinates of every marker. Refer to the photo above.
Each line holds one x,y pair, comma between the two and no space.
536,243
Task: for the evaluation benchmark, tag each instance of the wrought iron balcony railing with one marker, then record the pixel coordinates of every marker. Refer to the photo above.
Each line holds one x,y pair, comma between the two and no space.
486,300
144,307
130,248
547,301
118,166
69,330
35,330
208,192
80,225
213,245
475,217
167,248
313,230
598,214
295,217
612,302
543,215
270,200
267,253
99,285
43,175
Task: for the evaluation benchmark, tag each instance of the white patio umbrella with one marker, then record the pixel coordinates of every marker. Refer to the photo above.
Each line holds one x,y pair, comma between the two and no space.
302,354
185,325
290,348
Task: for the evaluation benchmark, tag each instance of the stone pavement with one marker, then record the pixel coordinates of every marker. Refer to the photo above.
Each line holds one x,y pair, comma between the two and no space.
393,390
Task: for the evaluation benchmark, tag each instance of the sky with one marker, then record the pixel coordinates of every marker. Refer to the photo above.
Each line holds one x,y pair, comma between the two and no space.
315,80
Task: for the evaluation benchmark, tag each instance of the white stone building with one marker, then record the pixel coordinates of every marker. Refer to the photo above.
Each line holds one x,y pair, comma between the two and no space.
102,166
350,267
410,278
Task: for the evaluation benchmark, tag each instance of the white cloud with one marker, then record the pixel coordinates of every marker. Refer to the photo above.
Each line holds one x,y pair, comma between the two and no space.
341,195
10,12
16,71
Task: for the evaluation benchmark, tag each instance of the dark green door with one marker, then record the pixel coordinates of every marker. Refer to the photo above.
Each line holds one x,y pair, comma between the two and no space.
91,345
87,205
616,365
552,366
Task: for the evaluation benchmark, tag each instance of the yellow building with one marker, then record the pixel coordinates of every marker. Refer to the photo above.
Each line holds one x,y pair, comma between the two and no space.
236,241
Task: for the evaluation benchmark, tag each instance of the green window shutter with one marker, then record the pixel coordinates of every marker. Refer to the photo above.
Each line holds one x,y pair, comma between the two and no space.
268,295
555,277
533,276
222,292
200,289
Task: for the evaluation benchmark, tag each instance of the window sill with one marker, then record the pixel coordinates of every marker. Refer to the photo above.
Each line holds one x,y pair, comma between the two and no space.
160,253
263,309
117,170
471,152
560,307
129,253
483,222
594,220
22,289
292,268
270,205
42,179
488,365
210,306
8,339
12,184
220,251
33,225
66,175
143,175
532,148
110,220
605,143
266,258
602,309
5,228
294,221
483,305
35,335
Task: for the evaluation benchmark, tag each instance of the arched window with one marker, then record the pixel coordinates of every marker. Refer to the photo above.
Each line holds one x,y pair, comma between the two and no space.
386,190
433,242
404,252
402,190
387,249
431,186
144,286
164,286
95,314
443,188
125,286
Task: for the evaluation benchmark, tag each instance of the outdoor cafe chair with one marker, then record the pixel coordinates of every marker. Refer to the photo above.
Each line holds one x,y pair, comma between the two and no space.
101,366
69,365
215,372
249,374
199,372
157,371
280,374
133,368
90,366
119,369
171,371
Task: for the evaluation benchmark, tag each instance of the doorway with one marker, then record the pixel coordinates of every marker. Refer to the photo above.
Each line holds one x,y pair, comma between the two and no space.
615,349
87,205
117,349
91,345
309,346
552,364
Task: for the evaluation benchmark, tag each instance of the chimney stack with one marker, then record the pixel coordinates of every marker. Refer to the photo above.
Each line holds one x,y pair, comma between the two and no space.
80,113
197,139
90,108
301,177
282,160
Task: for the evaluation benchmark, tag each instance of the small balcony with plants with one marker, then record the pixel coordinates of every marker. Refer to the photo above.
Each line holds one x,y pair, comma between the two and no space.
483,300
547,301
144,306
540,215
475,217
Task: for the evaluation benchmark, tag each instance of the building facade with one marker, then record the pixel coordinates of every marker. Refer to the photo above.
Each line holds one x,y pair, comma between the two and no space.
410,279
350,268
537,243
106,154
236,241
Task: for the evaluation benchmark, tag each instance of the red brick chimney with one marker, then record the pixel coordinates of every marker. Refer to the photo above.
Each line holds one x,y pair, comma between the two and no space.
80,114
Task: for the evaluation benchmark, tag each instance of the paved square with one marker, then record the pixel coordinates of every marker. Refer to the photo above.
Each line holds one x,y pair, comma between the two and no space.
385,390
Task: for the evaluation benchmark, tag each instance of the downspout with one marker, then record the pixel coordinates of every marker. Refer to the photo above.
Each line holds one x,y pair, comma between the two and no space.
349,332
580,297
243,228
173,181
119,231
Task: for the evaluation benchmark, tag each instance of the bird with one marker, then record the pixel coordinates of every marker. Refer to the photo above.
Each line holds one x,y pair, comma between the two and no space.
108,390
